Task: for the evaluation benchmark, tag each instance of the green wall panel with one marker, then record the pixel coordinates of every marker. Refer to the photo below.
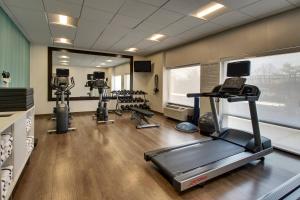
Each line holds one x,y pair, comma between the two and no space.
14,52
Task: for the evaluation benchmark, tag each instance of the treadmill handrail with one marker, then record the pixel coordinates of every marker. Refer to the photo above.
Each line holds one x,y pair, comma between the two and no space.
230,98
203,94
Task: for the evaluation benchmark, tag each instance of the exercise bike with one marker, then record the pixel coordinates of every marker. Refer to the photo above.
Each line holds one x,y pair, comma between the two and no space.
100,83
61,84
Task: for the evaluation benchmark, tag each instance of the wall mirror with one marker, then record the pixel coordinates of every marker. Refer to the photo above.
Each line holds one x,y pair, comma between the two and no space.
118,69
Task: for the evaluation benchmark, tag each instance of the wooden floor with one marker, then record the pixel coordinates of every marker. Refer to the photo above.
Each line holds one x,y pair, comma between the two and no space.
106,162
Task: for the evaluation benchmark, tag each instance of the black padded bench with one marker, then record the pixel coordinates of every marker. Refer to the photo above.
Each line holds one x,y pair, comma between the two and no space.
141,115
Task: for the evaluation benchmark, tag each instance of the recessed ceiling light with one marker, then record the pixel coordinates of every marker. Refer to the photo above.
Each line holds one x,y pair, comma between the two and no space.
156,37
209,9
98,66
62,41
108,60
63,20
64,57
103,63
64,61
132,49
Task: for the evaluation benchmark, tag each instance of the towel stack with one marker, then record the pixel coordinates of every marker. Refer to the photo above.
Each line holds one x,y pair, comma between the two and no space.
28,123
30,143
6,179
6,146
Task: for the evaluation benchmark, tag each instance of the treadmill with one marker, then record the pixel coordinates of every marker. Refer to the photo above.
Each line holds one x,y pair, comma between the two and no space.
195,163
290,190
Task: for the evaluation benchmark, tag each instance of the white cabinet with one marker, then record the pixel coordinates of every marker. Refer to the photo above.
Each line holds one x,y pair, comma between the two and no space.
17,131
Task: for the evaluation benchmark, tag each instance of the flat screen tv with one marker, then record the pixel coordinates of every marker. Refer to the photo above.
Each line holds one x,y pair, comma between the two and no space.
142,66
238,69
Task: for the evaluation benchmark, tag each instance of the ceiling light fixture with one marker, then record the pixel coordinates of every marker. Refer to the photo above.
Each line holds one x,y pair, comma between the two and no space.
64,61
133,49
63,20
62,41
64,57
108,60
209,9
102,63
98,66
156,37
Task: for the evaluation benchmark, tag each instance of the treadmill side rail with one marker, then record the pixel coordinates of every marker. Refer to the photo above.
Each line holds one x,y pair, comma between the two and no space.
283,190
149,154
202,174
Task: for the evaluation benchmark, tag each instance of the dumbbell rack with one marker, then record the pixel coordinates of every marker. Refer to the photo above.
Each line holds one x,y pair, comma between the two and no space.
127,99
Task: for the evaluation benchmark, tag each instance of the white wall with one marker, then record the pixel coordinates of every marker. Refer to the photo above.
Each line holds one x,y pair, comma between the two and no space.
145,81
39,81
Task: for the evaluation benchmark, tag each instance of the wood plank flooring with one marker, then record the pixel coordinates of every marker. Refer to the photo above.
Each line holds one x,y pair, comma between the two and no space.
106,162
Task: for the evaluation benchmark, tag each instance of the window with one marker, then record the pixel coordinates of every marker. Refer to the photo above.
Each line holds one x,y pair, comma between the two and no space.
278,78
182,81
117,82
126,82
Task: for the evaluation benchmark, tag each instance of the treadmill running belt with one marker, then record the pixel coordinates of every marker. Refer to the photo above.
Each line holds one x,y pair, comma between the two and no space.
185,159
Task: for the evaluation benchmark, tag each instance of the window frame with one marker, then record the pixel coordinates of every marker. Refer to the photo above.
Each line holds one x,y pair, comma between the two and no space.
222,79
168,83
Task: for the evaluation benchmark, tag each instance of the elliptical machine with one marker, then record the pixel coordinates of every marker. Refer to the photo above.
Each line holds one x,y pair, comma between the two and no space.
100,83
62,85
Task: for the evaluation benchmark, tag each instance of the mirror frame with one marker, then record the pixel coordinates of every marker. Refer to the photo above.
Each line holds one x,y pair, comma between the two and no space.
51,49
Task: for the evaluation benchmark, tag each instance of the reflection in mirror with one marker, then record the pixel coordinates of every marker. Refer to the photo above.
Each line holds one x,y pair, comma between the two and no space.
117,70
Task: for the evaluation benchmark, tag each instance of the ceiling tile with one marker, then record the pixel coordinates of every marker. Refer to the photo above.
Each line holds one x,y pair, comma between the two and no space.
149,28
62,7
63,31
182,25
129,40
236,4
199,32
110,36
96,15
79,2
124,21
30,4
106,5
34,23
295,2
145,44
137,9
266,7
185,6
155,2
208,28
87,33
164,17
233,18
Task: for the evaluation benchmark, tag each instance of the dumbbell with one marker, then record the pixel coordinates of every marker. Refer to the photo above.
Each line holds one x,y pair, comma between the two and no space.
127,107
122,107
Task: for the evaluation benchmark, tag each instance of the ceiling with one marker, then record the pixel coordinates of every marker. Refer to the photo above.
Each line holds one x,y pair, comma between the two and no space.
87,60
115,25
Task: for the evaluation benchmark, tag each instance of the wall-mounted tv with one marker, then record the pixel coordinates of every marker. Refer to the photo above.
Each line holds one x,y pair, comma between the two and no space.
237,69
142,66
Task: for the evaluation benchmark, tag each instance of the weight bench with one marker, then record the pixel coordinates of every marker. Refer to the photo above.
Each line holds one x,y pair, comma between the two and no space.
141,115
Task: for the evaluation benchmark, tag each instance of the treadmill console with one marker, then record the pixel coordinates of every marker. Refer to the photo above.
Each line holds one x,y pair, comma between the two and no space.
233,85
